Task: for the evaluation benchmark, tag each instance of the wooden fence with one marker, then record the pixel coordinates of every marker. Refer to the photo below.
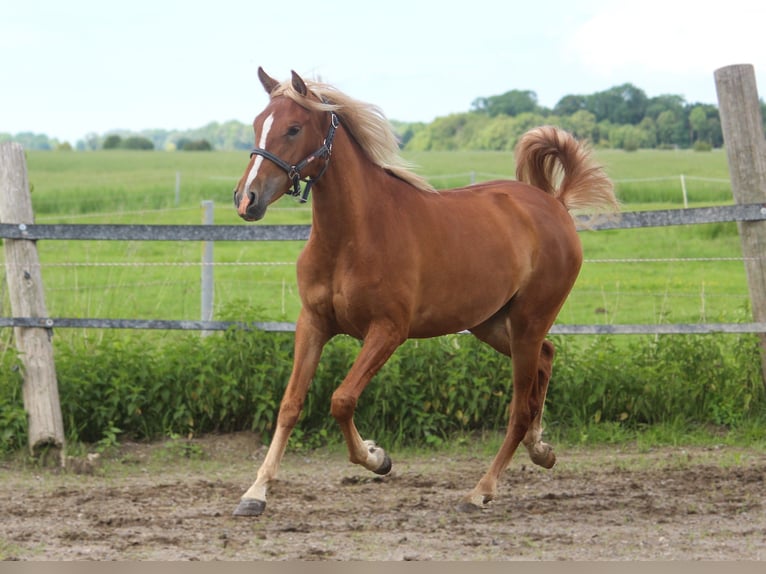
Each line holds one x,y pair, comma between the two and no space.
746,149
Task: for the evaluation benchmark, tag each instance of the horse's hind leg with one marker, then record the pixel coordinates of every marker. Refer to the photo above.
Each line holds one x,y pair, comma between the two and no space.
540,452
308,349
526,345
497,335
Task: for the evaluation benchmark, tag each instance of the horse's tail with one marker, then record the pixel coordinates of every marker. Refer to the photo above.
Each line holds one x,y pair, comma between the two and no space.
553,160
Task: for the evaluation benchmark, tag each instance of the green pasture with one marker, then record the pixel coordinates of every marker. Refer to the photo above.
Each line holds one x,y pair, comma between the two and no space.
256,281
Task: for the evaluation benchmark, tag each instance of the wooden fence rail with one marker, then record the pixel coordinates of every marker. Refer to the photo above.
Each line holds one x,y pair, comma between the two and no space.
124,232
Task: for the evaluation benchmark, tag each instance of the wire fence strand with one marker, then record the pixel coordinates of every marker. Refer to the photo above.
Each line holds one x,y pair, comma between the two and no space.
625,260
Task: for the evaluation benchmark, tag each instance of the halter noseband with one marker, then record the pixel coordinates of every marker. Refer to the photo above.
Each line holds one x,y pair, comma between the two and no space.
294,171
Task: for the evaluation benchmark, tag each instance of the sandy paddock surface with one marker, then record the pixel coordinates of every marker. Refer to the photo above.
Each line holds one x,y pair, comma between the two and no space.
173,501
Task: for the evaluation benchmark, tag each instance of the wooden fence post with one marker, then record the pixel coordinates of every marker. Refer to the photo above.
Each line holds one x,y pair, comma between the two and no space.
746,151
25,287
207,282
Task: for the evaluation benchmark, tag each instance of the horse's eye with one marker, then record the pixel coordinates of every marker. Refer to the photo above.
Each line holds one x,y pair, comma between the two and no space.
293,131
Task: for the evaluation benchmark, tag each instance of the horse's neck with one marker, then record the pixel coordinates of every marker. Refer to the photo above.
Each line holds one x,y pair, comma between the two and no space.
347,195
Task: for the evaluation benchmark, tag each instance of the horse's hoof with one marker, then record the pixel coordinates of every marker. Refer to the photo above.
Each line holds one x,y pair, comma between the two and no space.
468,507
250,507
474,502
549,462
543,455
384,468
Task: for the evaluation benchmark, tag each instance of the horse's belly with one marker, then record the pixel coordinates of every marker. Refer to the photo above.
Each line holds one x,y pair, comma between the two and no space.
459,308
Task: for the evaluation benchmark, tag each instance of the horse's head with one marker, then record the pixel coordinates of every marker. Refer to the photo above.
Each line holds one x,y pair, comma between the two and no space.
291,133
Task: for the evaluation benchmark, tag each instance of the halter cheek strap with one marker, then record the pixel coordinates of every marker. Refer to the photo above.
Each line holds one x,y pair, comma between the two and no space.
294,171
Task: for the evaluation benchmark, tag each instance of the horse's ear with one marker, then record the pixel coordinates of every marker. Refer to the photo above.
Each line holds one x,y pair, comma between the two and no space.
299,84
269,83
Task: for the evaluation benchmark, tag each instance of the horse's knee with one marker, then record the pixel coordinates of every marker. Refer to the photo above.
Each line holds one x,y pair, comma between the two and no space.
342,406
289,411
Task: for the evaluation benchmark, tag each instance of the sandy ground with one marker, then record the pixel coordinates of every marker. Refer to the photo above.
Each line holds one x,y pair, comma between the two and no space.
173,501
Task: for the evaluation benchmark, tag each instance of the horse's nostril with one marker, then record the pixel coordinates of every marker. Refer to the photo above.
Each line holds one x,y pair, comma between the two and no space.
238,197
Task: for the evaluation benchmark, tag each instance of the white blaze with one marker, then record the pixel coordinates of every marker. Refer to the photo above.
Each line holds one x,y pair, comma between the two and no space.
259,159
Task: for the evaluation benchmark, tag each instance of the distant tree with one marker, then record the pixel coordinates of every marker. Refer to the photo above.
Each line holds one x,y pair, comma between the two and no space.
510,103
34,141
112,141
705,125
582,124
712,131
649,127
625,104
498,134
603,131
668,128
157,137
445,130
501,133
196,145
91,142
628,137
697,122
569,105
232,135
406,131
449,132
665,103
137,142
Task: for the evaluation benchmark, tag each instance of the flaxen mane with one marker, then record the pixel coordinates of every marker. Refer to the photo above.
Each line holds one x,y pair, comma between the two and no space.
367,124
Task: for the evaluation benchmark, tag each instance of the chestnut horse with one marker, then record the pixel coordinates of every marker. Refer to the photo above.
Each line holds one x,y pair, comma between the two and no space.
389,258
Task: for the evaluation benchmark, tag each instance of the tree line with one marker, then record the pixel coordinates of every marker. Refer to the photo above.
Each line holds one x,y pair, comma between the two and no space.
230,135
622,117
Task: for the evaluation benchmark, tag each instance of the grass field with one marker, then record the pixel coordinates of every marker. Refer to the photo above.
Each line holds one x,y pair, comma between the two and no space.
146,280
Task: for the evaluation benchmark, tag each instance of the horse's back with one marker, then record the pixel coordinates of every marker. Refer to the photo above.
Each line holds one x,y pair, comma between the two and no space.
502,214
469,251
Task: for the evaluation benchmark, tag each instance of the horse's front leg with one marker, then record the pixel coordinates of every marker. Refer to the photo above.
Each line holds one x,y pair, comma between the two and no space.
309,342
379,344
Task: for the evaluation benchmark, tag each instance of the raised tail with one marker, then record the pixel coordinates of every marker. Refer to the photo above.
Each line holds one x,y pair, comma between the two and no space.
553,160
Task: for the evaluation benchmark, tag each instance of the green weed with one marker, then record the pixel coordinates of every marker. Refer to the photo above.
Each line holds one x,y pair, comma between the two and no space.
603,390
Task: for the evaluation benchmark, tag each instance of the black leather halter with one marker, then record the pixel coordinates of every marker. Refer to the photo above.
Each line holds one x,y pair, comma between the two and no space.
294,171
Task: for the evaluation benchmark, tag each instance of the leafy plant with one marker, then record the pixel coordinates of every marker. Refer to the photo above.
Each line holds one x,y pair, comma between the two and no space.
602,389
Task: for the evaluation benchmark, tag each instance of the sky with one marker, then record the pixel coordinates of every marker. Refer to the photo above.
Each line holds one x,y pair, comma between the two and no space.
75,67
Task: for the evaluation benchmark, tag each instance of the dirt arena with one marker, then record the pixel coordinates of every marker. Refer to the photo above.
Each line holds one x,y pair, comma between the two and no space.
173,501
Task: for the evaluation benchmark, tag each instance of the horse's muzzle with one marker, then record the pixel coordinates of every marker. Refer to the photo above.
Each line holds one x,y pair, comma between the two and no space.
248,207
238,197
